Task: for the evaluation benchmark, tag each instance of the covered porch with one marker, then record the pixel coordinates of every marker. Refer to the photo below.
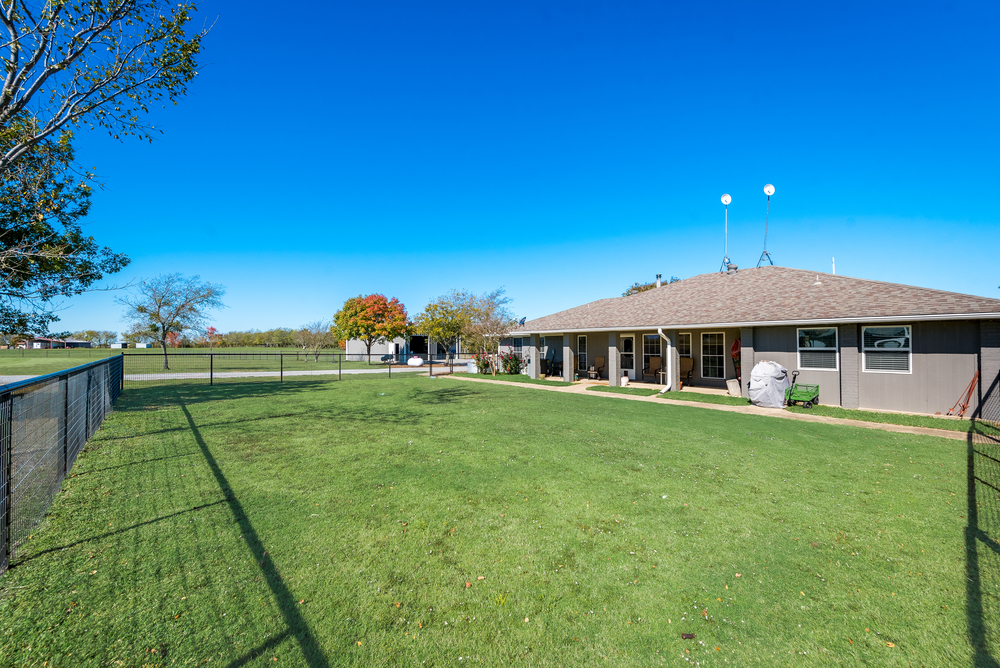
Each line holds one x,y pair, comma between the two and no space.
695,358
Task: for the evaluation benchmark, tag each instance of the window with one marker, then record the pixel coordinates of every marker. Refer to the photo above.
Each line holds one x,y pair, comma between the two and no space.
581,353
886,349
818,348
627,358
518,346
684,344
713,355
650,348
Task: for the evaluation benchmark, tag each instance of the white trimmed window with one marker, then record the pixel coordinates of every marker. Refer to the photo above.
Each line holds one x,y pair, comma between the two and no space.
650,348
684,344
818,348
581,353
518,346
886,349
713,355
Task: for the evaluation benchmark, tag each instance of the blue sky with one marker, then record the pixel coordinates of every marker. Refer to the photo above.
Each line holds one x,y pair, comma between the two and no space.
561,150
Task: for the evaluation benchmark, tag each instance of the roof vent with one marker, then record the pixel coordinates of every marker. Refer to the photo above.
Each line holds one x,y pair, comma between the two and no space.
818,282
731,269
658,279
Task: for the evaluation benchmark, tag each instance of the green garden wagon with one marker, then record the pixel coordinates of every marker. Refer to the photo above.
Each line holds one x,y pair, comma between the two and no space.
807,394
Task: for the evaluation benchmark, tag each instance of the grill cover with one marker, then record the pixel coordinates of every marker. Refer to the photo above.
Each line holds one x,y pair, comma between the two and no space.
768,382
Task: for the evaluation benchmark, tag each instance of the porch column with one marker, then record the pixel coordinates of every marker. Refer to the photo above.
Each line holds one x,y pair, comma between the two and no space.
568,362
674,360
746,360
613,373
532,351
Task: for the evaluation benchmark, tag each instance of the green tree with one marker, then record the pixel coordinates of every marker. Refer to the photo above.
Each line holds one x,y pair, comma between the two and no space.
97,63
637,287
44,254
371,319
446,318
171,304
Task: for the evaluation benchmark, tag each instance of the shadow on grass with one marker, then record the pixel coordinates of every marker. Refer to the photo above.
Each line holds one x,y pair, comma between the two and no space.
117,532
982,533
286,602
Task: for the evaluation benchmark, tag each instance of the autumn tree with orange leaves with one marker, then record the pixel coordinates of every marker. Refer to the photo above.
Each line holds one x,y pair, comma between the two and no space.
371,319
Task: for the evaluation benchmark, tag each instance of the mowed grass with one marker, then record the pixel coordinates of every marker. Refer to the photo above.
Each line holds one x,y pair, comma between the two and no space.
515,378
419,521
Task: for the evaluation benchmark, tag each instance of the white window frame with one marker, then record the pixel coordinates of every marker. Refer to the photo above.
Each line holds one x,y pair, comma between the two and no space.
690,344
909,351
518,344
836,349
645,355
581,358
703,356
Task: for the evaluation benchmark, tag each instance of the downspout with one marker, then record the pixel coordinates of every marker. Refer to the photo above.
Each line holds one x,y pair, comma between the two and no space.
670,359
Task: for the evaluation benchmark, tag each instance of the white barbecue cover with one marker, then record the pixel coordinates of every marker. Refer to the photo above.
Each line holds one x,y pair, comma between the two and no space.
768,381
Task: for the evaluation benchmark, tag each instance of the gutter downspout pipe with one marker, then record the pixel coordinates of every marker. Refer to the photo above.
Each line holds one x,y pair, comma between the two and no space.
670,359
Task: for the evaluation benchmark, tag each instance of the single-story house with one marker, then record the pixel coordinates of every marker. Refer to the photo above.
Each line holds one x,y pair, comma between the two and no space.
44,342
867,344
77,343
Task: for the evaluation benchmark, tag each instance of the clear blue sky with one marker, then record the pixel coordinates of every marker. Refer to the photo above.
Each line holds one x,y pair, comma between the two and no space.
562,150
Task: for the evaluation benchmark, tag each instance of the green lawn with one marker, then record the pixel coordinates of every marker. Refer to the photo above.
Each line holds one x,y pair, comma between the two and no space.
886,418
415,521
698,397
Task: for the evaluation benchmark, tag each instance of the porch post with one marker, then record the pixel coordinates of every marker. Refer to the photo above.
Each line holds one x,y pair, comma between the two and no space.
675,360
746,360
533,364
613,373
568,364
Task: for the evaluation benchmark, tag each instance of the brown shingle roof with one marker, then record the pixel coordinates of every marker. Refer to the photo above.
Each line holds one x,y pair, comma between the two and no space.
765,295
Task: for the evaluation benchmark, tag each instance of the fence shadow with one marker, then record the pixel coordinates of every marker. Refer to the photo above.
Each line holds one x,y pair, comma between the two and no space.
982,534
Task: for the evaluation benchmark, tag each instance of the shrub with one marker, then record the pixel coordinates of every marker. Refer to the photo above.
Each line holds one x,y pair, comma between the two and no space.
510,363
483,364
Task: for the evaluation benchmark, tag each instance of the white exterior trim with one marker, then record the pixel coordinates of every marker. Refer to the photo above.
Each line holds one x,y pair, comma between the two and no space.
703,376
836,350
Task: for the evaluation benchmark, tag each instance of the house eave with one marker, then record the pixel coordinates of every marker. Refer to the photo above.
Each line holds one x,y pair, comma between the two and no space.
770,323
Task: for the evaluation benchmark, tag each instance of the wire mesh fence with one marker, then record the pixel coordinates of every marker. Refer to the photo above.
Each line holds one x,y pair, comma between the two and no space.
145,370
44,424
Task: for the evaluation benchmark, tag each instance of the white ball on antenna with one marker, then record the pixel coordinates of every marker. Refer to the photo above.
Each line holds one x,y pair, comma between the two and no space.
726,199
768,190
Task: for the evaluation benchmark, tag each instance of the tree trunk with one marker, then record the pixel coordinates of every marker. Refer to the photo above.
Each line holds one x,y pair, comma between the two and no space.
163,344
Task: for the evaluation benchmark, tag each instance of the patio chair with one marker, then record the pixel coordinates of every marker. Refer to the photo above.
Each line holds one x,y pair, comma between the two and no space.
687,370
595,371
654,367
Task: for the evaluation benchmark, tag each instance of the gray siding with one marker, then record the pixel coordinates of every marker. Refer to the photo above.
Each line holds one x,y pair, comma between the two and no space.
780,344
850,362
945,357
989,370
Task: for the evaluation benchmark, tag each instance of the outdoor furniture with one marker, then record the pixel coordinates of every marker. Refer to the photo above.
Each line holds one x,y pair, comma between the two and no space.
654,367
596,370
687,370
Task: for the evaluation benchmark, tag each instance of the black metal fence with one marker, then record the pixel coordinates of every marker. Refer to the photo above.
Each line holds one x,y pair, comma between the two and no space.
44,423
145,369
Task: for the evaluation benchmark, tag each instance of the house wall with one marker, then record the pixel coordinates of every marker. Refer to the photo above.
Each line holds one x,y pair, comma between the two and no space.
945,357
731,335
597,346
779,344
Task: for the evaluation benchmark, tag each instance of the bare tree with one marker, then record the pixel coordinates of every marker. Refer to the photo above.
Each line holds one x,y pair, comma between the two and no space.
491,321
314,337
171,304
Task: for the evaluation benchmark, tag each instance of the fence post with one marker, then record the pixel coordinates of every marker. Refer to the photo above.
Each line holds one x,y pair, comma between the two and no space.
281,362
65,429
211,369
431,372
6,475
390,369
340,366
122,385
87,425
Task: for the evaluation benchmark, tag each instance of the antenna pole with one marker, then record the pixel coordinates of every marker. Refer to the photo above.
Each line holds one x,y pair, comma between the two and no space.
765,254
725,258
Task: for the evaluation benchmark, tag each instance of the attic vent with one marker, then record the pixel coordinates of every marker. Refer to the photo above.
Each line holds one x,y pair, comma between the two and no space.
731,269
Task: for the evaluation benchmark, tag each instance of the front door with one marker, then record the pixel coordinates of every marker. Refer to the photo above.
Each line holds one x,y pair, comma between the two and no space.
628,356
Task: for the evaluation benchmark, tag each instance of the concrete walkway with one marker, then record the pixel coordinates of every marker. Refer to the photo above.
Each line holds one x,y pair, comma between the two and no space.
748,409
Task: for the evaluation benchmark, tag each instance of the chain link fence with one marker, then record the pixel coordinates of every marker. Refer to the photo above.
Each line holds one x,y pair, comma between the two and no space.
44,424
